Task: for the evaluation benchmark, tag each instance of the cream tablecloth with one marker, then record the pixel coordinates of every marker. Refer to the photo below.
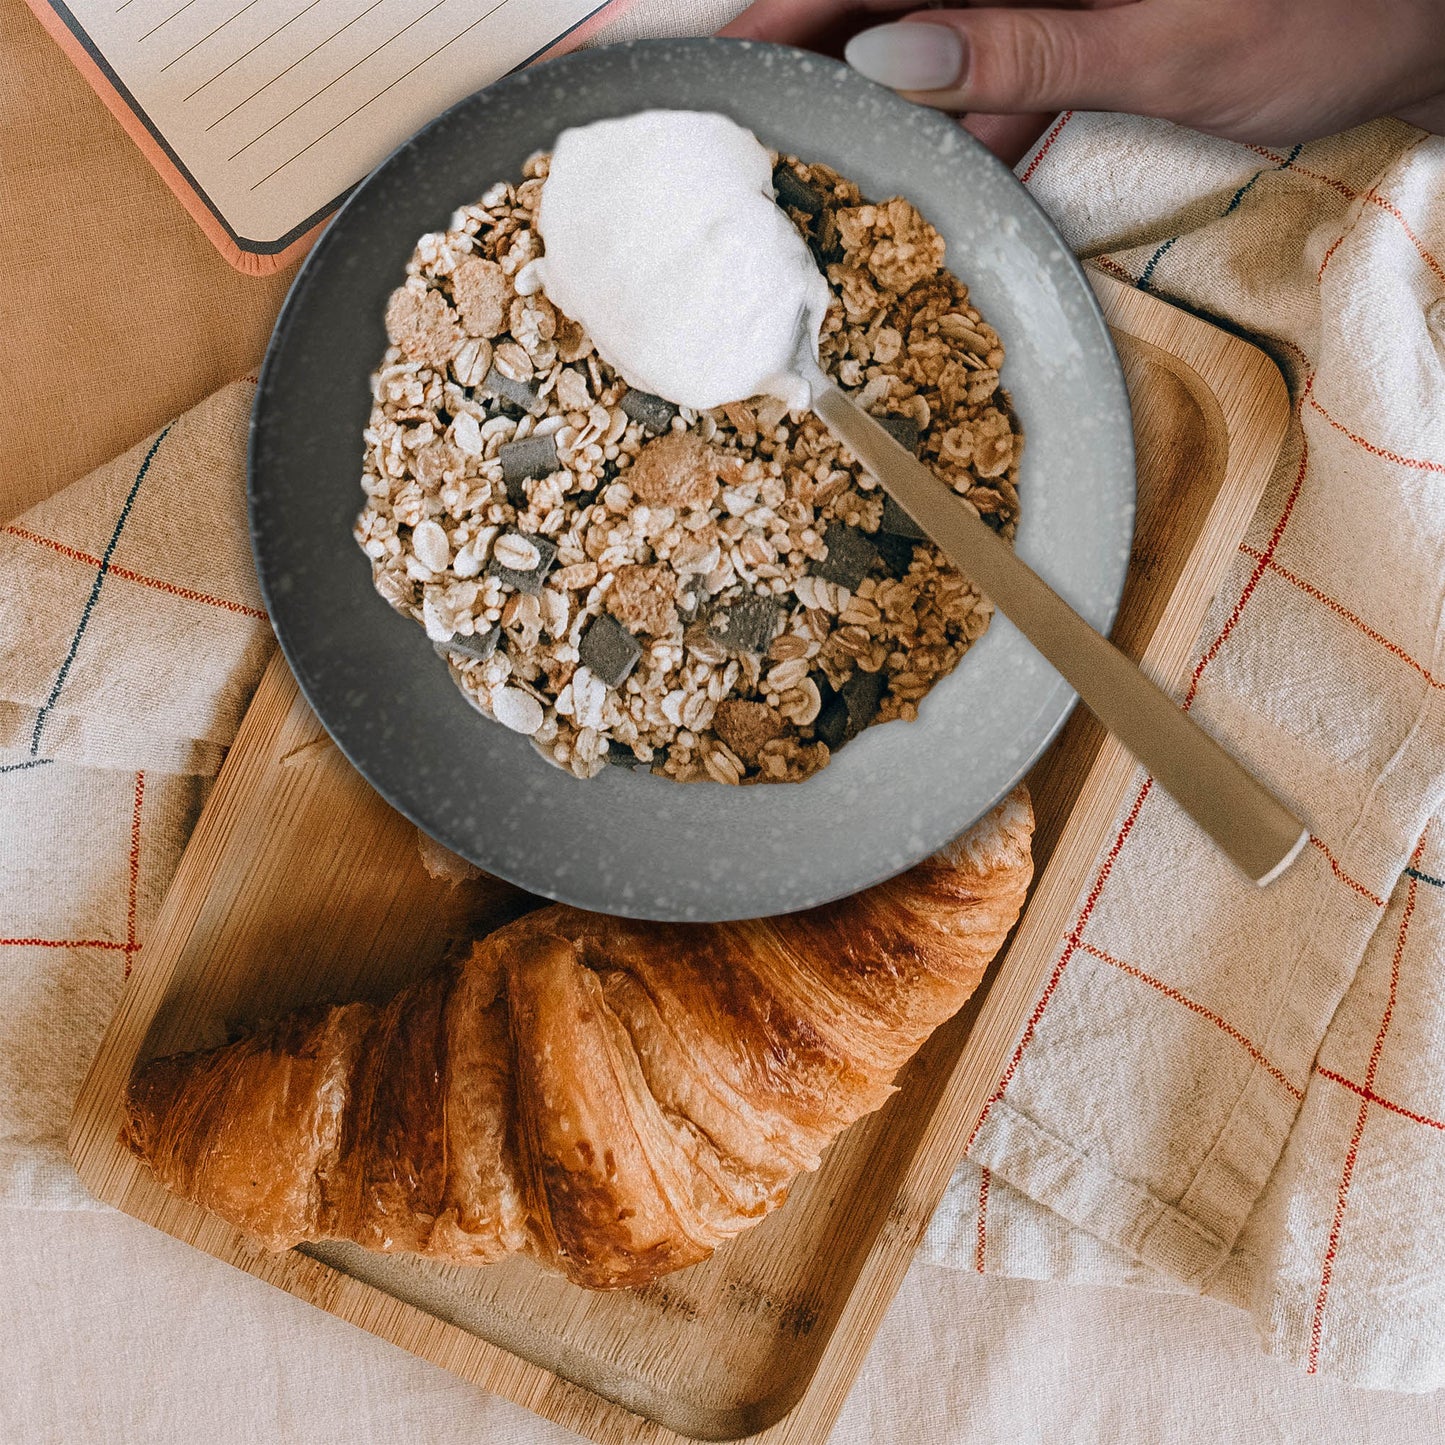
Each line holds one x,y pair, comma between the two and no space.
110,1332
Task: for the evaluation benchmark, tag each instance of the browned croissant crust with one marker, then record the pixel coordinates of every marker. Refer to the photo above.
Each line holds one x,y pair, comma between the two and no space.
612,1098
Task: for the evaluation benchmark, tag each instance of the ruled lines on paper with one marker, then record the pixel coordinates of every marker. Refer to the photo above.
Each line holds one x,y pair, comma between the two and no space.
275,107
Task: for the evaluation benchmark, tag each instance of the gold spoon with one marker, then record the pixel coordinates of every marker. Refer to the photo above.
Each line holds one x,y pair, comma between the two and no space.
1243,817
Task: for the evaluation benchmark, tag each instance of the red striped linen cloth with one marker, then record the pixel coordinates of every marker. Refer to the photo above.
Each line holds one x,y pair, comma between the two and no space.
1221,1089
131,638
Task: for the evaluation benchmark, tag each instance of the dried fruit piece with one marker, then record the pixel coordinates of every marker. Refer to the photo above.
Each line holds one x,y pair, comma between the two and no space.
609,651
826,245
572,341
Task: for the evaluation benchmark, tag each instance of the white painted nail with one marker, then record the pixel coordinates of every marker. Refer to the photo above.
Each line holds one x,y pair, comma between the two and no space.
908,57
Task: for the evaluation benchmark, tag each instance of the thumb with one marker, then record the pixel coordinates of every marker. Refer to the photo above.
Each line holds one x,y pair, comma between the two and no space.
1012,60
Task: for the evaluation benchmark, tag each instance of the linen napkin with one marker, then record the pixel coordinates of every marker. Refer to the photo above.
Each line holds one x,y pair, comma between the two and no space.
1218,1089
131,639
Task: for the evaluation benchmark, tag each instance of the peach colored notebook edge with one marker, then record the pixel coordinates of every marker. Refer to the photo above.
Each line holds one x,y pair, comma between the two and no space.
249,262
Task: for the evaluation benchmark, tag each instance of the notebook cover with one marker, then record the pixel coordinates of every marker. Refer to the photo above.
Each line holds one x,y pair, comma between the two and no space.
252,258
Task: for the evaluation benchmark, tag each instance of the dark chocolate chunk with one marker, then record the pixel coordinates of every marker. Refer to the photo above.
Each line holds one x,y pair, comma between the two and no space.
831,725
531,457
848,711
653,412
622,756
906,432
826,691
532,579
903,429
897,521
479,646
795,193
895,552
608,650
996,520
826,244
515,393
746,625
851,555
862,694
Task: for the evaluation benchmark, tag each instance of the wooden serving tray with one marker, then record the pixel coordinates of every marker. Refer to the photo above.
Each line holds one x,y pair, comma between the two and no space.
300,884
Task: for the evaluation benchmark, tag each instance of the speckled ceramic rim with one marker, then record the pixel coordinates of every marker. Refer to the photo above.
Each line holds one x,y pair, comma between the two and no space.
627,842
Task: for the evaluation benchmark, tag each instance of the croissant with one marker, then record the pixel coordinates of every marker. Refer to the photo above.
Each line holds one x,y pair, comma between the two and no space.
612,1098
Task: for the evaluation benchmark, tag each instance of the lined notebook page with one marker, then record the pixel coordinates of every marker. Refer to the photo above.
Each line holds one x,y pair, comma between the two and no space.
276,107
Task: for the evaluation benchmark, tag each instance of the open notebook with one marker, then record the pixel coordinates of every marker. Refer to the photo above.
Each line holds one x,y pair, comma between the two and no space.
262,114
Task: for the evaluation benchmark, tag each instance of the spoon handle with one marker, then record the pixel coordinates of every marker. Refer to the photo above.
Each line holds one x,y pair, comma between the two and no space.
1243,817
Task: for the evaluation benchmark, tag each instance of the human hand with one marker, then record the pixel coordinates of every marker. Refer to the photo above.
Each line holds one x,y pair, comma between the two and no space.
1265,71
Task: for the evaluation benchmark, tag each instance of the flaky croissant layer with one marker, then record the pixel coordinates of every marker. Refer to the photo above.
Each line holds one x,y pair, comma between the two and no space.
612,1098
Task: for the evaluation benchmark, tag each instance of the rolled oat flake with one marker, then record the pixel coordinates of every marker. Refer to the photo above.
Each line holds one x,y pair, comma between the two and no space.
517,710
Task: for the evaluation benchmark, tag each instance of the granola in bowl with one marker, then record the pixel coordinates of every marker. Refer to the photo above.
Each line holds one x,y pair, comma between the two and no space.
721,595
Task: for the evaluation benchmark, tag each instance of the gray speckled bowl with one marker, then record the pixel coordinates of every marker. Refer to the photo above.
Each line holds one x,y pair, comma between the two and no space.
629,842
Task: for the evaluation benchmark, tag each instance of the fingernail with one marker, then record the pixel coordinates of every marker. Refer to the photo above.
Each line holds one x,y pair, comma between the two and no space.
908,57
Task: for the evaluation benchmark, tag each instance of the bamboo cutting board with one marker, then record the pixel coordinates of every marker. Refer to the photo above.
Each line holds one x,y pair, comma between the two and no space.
300,885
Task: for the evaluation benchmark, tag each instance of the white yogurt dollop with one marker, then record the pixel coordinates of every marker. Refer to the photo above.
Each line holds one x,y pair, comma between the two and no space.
663,240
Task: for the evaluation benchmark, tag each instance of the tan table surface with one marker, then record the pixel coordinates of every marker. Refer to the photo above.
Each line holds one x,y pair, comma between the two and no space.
117,315
118,312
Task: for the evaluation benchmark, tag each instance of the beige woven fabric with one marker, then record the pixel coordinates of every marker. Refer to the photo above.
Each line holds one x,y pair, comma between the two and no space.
1224,1089
131,639
115,1334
